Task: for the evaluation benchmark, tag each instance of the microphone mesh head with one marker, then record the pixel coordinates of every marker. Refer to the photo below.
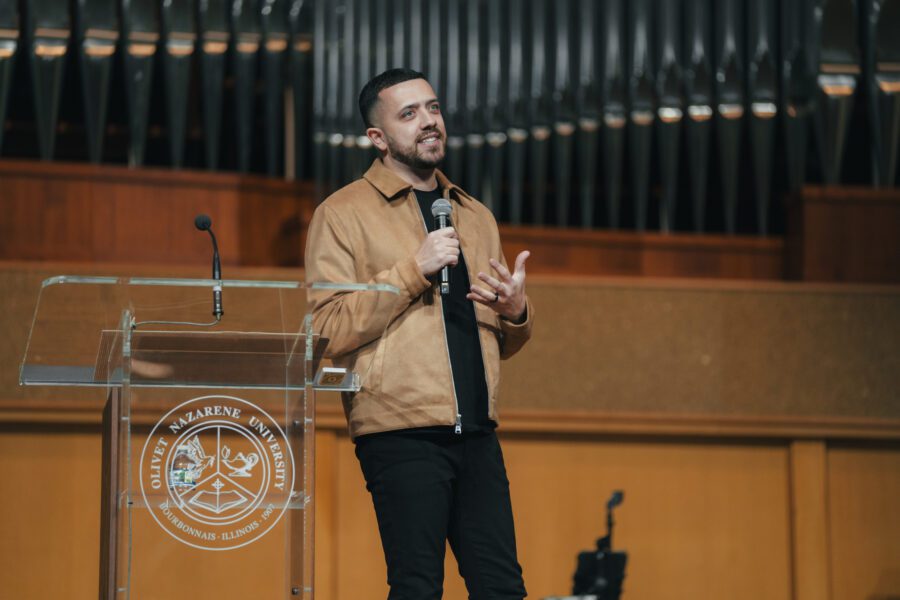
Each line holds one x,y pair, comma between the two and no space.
202,222
441,208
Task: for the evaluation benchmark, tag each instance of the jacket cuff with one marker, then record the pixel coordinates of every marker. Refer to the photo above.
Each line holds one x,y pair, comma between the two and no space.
414,281
524,328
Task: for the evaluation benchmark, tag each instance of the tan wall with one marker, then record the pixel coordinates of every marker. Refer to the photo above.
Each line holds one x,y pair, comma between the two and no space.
754,429
702,518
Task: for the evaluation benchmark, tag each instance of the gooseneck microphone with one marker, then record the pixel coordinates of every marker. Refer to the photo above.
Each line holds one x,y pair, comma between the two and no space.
204,223
441,210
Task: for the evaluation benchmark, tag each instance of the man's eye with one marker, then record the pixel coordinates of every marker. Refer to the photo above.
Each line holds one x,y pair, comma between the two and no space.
435,108
406,113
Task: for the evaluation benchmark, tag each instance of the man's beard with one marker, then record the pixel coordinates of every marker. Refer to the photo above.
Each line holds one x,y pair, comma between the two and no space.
412,157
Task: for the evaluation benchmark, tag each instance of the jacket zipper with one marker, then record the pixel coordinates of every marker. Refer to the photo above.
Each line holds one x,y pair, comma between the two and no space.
457,427
487,384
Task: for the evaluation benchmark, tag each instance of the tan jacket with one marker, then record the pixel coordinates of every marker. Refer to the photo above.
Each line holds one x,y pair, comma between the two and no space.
369,232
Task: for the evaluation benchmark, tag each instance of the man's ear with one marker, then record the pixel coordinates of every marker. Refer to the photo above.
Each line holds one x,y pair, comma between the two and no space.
377,136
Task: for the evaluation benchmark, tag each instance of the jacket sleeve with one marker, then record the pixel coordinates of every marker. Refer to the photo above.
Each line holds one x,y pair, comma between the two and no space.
347,319
512,335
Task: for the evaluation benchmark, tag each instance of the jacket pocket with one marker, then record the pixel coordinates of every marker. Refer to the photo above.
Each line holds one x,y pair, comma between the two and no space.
369,365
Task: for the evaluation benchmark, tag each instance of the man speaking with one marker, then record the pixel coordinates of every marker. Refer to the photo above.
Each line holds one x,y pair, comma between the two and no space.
423,422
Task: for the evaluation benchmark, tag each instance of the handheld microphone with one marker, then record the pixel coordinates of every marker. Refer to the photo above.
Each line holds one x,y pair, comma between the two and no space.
204,223
441,210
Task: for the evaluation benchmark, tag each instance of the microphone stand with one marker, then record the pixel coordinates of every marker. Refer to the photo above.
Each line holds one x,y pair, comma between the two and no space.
203,223
604,545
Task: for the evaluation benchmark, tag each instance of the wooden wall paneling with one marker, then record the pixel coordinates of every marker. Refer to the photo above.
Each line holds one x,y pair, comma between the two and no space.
113,214
163,567
360,559
578,252
272,225
694,519
740,349
40,222
810,360
693,522
157,223
327,516
864,521
254,571
64,211
809,482
711,507
703,518
49,512
844,234
61,211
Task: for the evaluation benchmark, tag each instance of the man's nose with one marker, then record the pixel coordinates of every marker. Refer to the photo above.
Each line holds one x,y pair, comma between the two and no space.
428,121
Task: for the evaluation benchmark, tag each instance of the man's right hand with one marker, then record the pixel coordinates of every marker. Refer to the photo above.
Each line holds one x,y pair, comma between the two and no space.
440,248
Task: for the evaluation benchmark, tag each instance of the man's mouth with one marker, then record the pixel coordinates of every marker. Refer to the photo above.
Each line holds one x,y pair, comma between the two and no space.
431,139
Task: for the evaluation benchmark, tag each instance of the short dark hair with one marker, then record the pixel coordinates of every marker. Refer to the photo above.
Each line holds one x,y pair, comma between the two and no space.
368,97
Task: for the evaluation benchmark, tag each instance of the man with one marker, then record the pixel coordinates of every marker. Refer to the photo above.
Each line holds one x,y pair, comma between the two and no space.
423,422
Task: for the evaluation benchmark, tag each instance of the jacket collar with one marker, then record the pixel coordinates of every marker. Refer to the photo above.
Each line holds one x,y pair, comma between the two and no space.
391,185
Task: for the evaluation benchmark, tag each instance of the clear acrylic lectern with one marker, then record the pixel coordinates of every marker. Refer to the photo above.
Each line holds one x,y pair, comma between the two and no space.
208,447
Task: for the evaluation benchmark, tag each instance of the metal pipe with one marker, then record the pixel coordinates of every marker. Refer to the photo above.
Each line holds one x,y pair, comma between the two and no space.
347,126
587,102
698,80
245,51
474,99
9,46
321,83
140,33
882,57
763,94
495,138
97,34
179,40
48,29
335,139
837,78
614,100
563,112
729,102
516,102
274,28
538,112
215,38
642,107
670,112
797,85
299,71
452,97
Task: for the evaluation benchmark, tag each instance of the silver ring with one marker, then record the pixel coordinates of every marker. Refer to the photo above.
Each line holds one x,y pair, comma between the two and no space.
496,297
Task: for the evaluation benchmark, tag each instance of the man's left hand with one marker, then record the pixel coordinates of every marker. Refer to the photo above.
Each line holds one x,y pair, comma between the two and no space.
506,292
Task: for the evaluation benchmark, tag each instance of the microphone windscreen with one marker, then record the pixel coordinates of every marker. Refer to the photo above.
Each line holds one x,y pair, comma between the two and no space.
202,222
441,207
615,499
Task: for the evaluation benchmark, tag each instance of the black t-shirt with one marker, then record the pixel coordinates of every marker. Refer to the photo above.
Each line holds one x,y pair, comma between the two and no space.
463,345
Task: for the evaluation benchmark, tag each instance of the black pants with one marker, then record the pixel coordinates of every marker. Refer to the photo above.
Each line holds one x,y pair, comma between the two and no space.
430,488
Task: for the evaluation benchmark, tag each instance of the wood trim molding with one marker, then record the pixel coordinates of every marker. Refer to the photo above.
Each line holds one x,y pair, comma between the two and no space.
43,171
565,423
809,519
628,253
